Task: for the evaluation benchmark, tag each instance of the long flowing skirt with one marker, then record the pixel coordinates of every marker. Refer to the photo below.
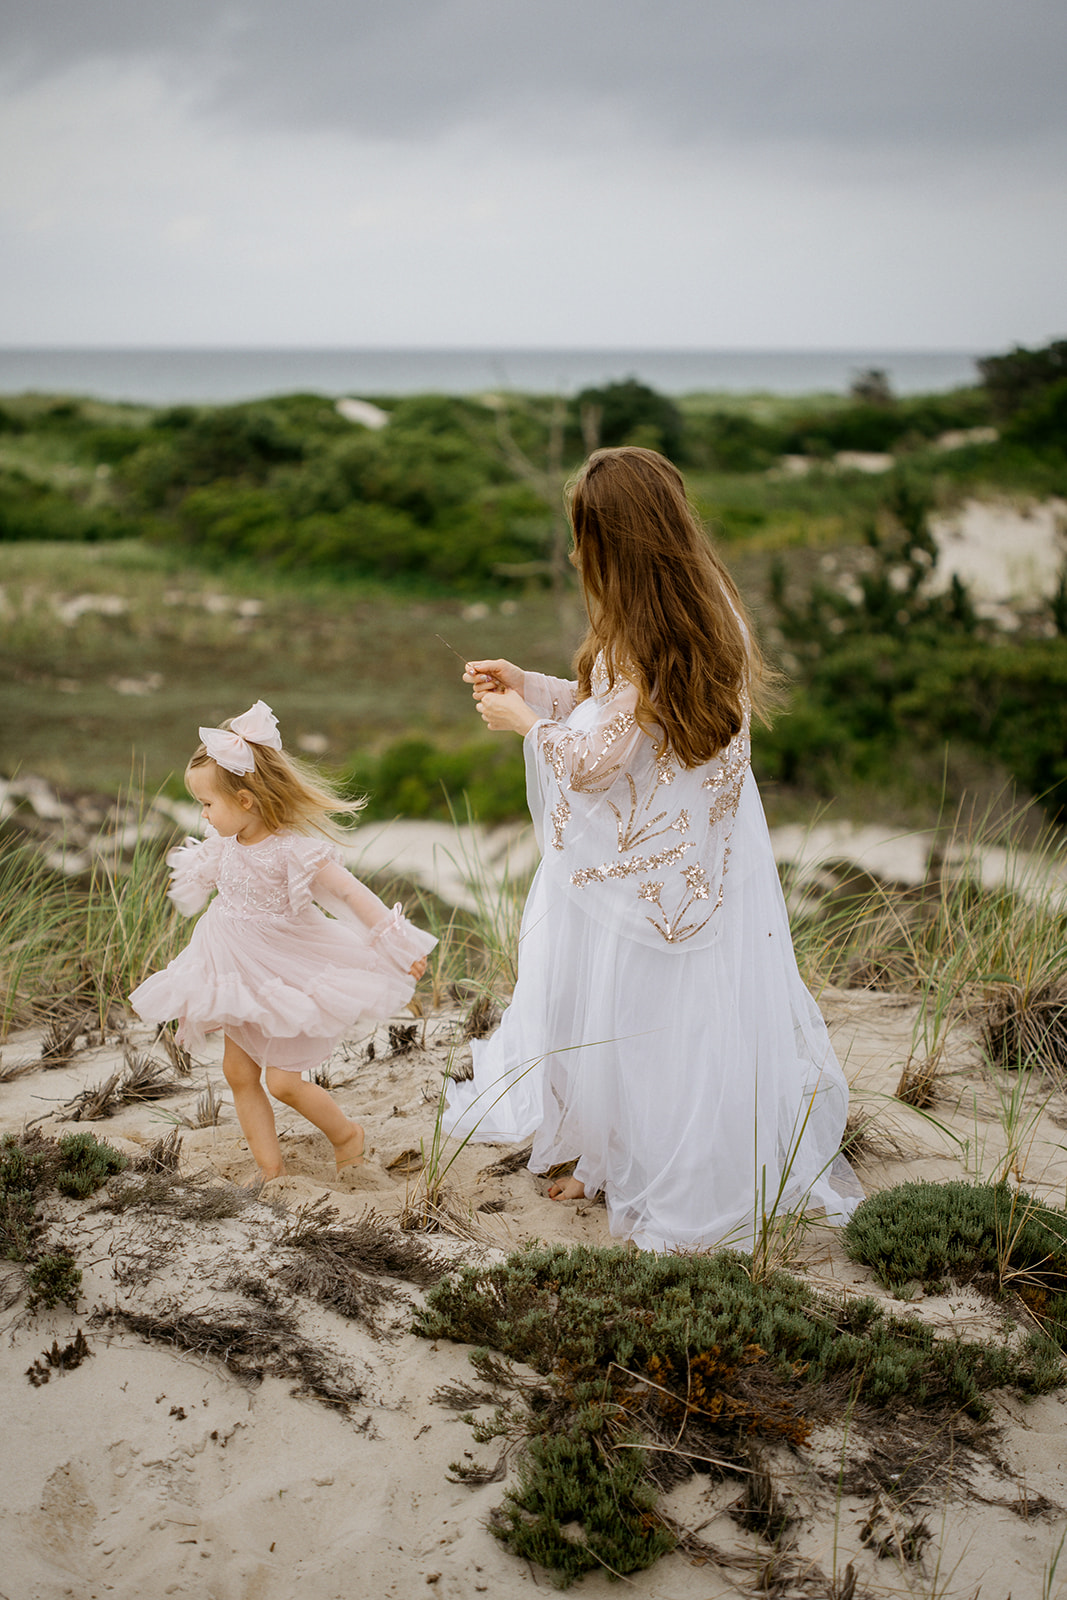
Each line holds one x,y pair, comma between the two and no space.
697,1088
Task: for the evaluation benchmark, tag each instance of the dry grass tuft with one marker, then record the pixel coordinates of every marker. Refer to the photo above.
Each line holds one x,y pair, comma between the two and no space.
142,1079
176,1053
98,1101
145,1078
60,1040
370,1245
162,1156
17,1069
918,1083
194,1197
403,1038
482,1017
509,1163
253,1343
761,1509
1028,1027
866,1138
59,1360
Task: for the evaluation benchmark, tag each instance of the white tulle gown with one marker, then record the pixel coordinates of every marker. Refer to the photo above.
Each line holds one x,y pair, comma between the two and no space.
659,1031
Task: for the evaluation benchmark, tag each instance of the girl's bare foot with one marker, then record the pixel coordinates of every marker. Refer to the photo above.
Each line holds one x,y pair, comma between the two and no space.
349,1153
566,1189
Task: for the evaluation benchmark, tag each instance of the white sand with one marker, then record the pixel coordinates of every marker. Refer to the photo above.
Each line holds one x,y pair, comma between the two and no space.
146,1471
1004,552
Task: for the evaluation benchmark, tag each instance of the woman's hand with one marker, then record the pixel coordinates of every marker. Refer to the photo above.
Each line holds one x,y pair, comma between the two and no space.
489,677
503,709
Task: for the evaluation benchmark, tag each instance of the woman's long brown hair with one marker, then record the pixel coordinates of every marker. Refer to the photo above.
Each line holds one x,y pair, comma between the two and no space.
662,607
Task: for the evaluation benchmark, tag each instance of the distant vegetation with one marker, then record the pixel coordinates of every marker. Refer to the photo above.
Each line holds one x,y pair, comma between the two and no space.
458,499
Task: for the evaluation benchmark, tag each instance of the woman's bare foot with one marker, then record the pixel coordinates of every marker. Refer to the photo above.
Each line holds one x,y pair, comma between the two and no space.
349,1153
566,1189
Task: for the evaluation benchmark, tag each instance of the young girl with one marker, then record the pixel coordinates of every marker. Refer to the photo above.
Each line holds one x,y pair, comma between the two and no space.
283,981
659,1032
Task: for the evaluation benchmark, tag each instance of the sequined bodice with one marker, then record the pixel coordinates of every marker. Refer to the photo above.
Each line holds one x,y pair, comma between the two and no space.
253,879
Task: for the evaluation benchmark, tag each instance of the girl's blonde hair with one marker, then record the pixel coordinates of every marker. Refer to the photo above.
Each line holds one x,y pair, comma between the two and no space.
288,792
663,610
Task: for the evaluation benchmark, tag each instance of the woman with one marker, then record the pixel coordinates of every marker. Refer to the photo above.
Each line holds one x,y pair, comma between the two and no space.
659,1034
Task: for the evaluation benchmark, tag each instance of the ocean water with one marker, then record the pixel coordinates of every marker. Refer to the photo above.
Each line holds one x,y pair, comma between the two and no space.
172,377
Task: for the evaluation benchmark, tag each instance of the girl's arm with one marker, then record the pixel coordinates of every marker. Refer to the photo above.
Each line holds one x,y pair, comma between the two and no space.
194,866
388,928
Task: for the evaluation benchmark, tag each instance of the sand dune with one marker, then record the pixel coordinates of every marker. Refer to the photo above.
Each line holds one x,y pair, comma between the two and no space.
150,1469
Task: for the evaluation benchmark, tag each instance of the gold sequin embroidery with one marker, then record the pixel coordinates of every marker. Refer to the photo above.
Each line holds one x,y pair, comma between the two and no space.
560,818
626,869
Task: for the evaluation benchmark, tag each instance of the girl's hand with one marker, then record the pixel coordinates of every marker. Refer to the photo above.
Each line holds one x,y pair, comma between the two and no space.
489,677
503,709
417,968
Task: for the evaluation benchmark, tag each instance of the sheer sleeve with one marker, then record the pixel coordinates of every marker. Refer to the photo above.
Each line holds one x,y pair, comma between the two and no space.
307,859
395,941
552,698
582,758
399,943
194,868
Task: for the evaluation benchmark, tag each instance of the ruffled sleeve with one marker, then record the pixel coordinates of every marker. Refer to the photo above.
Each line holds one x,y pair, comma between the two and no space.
194,867
307,857
399,943
552,698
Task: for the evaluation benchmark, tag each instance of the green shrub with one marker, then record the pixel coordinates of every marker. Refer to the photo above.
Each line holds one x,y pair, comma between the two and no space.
936,1232
576,1478
86,1163
631,413
33,510
1042,424
734,1357
53,1278
31,1164
414,778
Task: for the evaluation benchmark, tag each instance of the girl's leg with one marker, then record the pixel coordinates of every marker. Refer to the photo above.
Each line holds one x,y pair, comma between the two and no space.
312,1102
253,1109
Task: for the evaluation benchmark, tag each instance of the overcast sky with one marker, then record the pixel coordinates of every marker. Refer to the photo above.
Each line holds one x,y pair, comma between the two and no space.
694,173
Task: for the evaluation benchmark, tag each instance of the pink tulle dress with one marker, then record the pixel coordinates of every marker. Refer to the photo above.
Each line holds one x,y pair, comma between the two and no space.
284,981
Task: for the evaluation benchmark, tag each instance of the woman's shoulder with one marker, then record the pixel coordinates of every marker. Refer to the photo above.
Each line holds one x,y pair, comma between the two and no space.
601,686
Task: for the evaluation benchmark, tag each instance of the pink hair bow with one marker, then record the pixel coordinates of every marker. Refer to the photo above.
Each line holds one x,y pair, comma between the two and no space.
232,747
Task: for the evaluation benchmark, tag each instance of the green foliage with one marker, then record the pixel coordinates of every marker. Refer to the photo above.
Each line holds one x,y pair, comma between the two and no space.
587,1308
31,1164
630,413
413,778
1042,424
884,426
51,1279
893,669
936,1232
30,509
729,441
739,1357
578,1478
289,482
86,1163
1015,380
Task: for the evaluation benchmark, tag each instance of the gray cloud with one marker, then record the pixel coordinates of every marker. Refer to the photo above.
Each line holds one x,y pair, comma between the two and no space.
858,74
